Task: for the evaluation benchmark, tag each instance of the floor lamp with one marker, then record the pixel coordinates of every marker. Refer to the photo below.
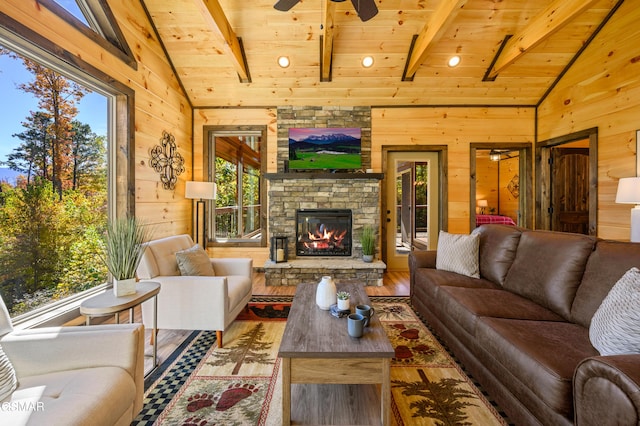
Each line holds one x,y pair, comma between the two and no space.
629,193
201,191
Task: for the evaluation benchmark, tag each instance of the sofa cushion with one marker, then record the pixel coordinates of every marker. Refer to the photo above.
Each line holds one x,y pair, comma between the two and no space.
465,305
528,350
427,281
609,261
498,245
548,268
194,261
615,325
458,253
96,396
8,381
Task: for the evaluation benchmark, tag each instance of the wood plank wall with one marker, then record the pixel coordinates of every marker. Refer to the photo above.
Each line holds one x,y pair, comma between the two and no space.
602,89
455,127
160,103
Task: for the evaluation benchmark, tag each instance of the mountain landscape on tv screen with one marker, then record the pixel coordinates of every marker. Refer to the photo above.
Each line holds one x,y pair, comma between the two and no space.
324,149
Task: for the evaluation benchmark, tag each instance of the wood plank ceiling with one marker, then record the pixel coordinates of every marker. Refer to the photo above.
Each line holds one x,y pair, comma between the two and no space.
225,51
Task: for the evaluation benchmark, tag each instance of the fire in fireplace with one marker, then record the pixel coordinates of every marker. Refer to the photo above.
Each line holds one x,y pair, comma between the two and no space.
323,232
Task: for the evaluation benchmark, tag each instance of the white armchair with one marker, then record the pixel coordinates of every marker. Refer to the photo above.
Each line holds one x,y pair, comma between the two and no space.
73,375
194,302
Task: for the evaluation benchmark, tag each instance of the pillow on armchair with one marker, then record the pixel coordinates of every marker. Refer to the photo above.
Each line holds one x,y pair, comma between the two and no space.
194,262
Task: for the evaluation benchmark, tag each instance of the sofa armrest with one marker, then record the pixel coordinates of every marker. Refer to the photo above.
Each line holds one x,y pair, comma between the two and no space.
607,391
422,259
419,259
233,266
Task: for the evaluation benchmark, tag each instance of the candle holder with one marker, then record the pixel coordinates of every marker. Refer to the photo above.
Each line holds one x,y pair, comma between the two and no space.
279,252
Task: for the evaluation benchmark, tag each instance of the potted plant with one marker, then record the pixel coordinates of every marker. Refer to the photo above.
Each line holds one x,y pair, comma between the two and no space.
343,300
123,252
368,241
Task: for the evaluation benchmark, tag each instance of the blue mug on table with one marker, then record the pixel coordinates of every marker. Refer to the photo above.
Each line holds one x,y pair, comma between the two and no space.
366,311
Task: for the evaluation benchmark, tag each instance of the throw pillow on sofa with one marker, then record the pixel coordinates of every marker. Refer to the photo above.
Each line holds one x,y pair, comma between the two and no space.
458,253
615,327
194,262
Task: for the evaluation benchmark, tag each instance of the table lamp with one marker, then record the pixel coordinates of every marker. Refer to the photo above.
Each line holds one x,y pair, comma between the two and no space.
483,205
629,193
201,191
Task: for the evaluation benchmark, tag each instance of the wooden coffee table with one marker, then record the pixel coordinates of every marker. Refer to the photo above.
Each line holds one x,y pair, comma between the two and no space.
316,349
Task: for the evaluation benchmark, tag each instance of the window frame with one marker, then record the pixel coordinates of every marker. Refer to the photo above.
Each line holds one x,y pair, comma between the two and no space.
209,168
120,143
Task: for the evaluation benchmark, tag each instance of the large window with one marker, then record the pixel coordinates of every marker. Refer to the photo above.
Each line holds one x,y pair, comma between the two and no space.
65,155
53,185
236,167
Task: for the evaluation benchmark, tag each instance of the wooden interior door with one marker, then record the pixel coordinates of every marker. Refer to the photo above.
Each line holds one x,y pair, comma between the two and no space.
570,190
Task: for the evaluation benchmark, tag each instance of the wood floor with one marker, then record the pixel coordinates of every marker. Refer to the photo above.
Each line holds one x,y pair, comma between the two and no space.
394,284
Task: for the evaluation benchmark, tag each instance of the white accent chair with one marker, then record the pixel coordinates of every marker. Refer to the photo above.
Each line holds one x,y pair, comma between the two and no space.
194,302
73,375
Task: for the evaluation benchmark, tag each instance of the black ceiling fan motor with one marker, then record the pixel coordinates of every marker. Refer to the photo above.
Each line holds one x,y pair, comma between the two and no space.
366,9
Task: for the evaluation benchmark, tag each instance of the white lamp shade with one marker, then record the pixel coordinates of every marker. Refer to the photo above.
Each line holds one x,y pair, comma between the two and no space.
482,203
200,190
628,190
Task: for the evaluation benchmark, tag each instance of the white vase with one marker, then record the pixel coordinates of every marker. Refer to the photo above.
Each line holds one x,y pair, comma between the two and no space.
124,287
368,258
343,304
326,293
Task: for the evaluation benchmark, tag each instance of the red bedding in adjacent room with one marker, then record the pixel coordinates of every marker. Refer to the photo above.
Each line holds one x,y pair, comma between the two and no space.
481,219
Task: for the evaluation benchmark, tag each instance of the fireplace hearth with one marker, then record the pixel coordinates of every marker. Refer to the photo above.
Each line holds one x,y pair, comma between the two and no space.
323,232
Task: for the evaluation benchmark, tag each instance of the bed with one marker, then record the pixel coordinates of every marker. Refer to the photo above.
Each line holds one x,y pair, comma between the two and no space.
482,219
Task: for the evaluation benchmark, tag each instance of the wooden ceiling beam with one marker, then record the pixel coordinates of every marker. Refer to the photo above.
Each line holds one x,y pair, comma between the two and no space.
216,19
542,26
431,33
326,46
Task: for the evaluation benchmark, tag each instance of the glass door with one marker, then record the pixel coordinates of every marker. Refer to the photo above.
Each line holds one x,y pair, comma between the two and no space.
412,210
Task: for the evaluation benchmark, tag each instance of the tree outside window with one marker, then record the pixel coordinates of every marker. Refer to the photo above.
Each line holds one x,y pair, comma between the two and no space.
53,215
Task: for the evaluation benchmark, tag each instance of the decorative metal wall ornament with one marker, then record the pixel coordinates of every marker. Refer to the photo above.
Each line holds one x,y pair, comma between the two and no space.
166,160
514,186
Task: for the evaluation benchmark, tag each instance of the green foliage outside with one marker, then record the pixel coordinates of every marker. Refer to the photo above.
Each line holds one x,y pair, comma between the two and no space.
48,247
52,221
315,160
227,201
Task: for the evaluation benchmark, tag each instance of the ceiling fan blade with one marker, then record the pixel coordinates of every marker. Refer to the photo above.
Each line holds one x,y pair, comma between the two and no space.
366,9
284,5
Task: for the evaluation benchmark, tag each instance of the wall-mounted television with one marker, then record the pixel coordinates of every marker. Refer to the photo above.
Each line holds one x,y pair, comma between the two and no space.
325,148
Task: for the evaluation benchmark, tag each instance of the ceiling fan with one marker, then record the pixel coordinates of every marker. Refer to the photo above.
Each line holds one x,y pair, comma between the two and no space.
366,9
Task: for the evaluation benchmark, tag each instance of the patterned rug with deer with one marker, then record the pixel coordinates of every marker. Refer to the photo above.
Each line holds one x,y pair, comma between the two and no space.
240,384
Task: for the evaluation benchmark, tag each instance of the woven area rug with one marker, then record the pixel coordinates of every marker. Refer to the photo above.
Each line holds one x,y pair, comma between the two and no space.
240,384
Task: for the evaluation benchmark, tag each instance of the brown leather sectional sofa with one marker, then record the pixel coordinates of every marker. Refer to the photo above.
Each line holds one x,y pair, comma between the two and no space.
522,328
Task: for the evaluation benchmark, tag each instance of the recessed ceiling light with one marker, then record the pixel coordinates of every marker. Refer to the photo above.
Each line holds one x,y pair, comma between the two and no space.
283,61
454,61
367,61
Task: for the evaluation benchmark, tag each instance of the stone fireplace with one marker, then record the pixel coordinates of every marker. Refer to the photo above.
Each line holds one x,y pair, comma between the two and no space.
290,193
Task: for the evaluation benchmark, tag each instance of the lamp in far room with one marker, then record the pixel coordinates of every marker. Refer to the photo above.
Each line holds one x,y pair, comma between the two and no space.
483,205
629,193
201,191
